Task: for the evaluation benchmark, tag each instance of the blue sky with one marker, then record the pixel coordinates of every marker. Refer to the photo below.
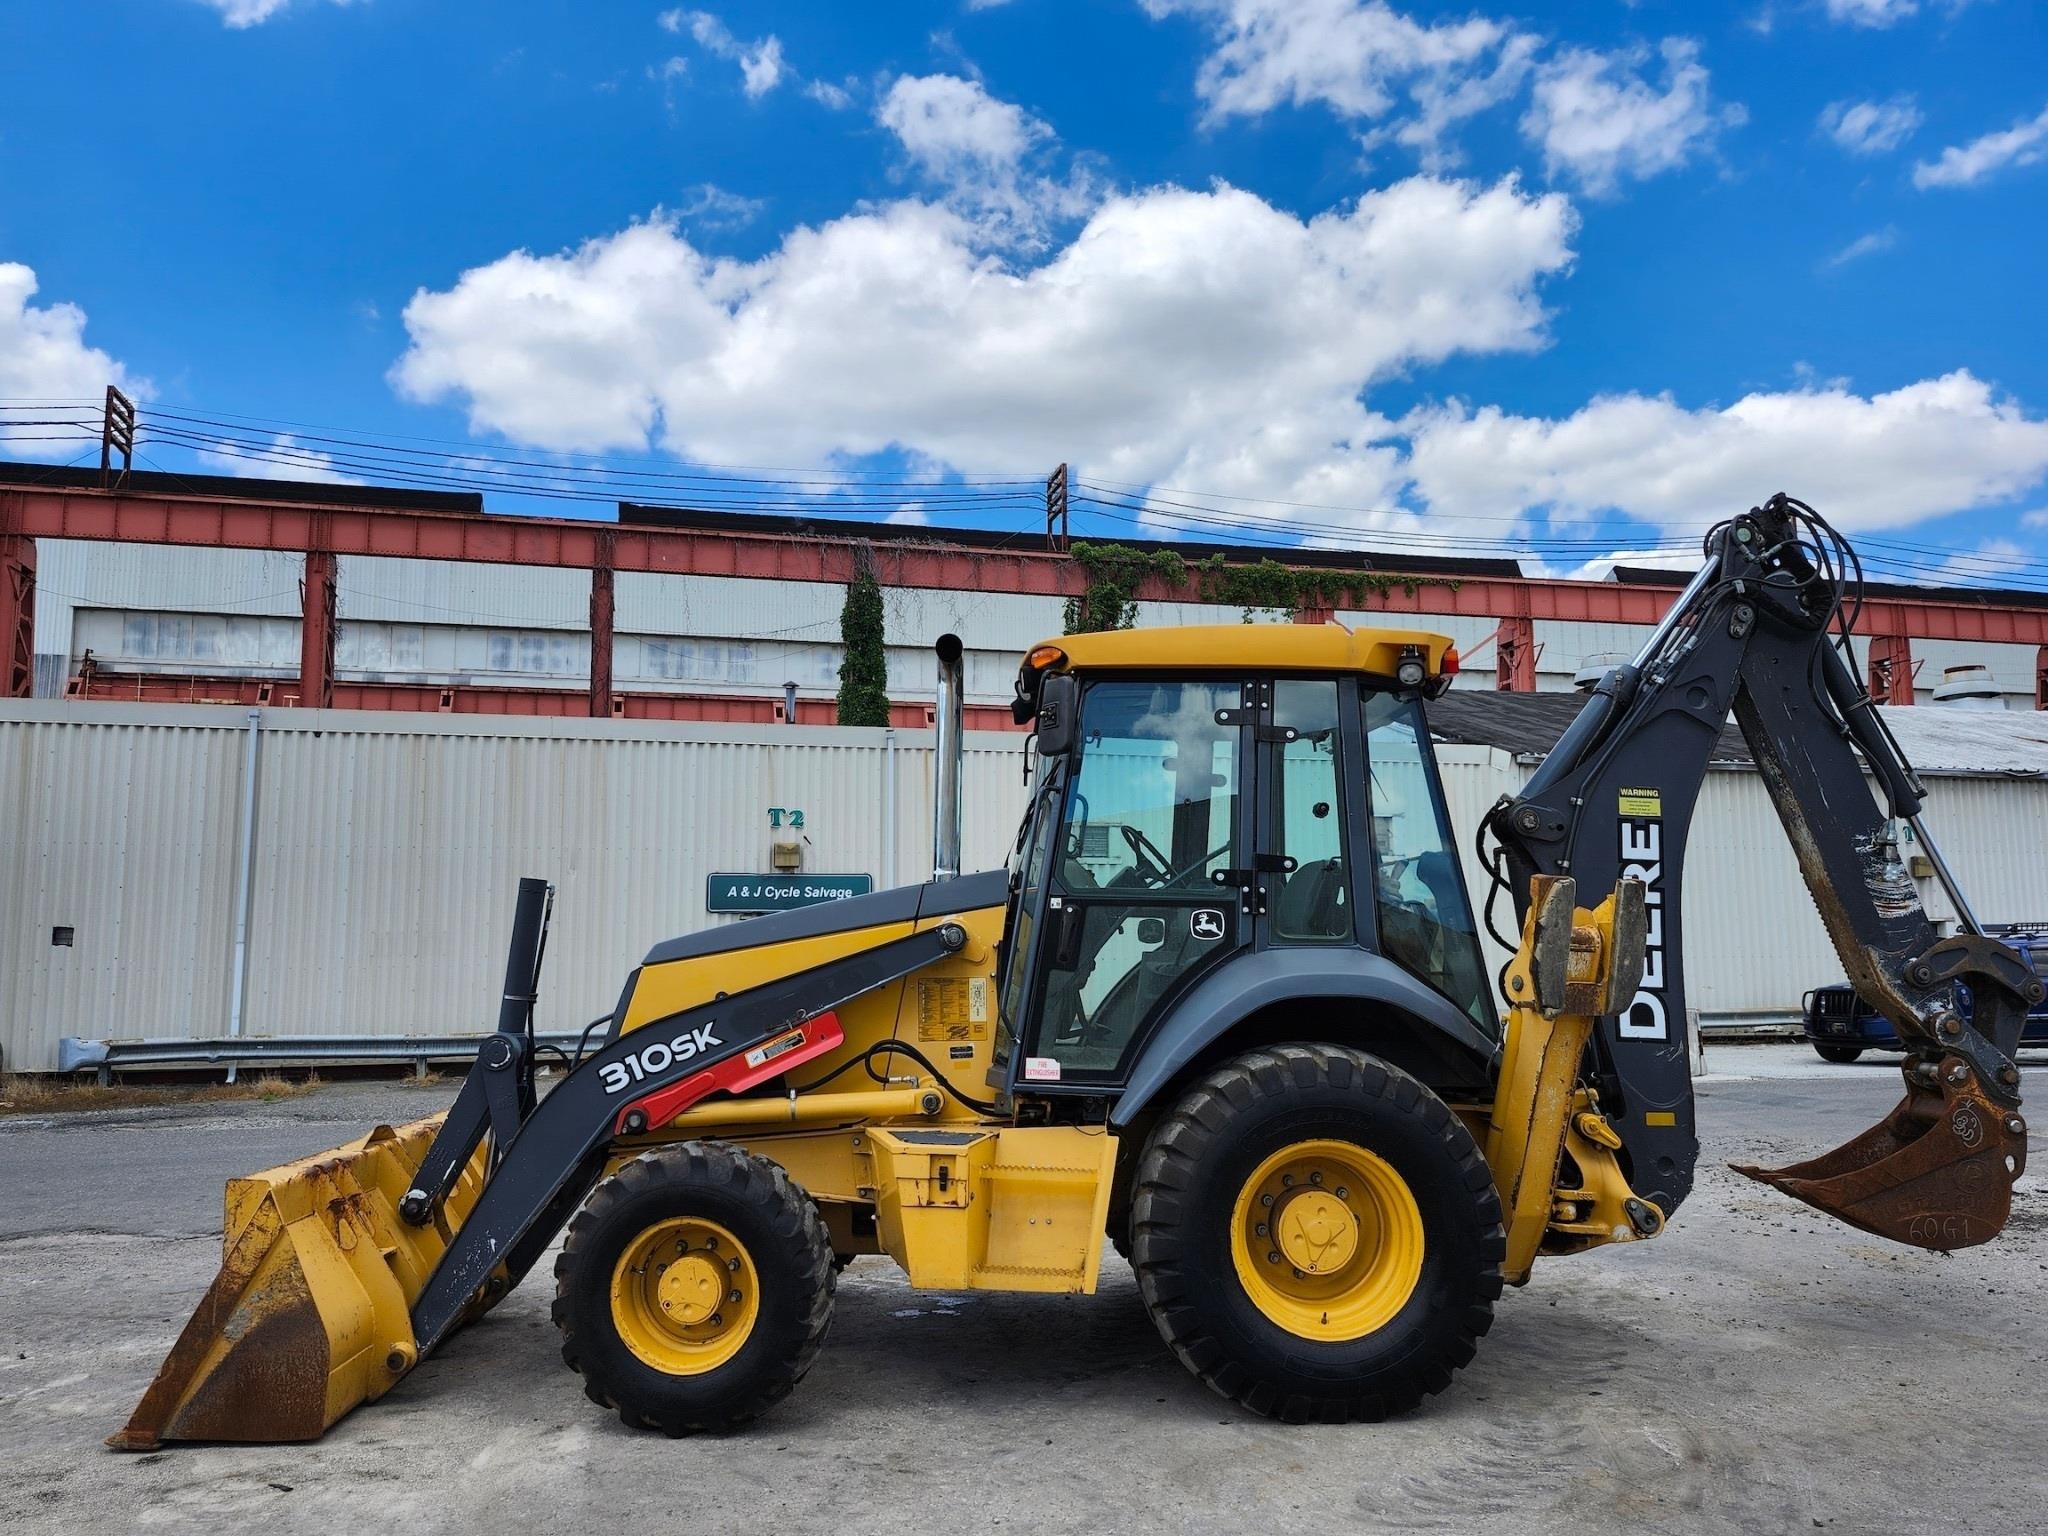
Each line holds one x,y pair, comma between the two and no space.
1560,281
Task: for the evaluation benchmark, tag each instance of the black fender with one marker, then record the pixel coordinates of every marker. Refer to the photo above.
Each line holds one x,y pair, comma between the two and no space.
1252,983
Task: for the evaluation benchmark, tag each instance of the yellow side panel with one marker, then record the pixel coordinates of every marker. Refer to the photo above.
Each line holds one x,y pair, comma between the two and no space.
1013,1208
675,985
947,1010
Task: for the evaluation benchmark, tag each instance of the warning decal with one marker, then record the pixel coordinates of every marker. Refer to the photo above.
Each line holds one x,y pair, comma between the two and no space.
1642,802
952,1009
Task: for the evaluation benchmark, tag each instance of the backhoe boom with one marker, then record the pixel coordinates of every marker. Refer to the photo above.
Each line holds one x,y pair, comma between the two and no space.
1760,632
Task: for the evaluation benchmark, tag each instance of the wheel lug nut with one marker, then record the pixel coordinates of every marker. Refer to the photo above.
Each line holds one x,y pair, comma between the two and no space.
1265,1199
1343,1193
1260,1229
1272,1258
717,1319
735,1295
1315,1178
733,1265
1287,1181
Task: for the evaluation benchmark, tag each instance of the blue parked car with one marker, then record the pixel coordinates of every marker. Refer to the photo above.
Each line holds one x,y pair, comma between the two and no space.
1841,1027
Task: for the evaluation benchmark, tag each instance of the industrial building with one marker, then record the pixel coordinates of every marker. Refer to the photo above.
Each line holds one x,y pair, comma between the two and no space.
279,752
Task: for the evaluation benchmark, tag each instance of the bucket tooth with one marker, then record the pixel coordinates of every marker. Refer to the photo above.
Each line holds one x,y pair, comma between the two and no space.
1935,1173
309,1314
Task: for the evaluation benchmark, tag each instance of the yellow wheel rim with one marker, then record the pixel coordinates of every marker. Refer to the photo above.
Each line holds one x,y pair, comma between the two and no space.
1327,1240
685,1296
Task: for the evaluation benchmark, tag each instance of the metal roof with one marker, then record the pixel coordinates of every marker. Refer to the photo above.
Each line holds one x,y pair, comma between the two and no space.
1937,740
157,482
1306,556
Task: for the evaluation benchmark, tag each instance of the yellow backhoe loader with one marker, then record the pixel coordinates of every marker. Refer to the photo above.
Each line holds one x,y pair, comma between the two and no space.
1227,1005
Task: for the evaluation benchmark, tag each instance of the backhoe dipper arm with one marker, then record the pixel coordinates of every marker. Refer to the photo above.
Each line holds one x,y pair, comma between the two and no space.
1757,631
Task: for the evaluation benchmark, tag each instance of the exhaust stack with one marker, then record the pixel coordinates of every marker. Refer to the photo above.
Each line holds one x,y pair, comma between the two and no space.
950,717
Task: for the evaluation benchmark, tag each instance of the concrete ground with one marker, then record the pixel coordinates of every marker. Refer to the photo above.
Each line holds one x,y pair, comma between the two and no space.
1755,1369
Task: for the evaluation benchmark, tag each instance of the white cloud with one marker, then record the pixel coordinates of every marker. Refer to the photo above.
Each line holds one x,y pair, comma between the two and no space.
712,207
1871,127
1876,461
2025,143
249,13
836,97
44,357
1190,337
1355,57
985,156
911,514
1599,120
762,67
953,128
2037,519
283,458
1864,245
1871,13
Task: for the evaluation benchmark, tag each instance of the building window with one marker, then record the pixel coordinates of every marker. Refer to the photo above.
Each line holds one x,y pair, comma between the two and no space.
536,652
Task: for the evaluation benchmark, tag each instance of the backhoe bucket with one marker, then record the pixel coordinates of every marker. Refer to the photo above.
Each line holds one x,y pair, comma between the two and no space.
311,1311
1937,1172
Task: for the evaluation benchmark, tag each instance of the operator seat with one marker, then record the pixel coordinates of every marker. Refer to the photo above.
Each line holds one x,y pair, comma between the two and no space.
1311,904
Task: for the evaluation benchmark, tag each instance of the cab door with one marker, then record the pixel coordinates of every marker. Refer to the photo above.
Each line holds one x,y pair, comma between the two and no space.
1141,896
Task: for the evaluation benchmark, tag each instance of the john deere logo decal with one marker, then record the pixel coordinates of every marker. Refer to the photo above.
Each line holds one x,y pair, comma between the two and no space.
1206,923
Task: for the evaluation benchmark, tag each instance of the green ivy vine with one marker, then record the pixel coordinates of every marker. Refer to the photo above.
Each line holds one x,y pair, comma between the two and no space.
1116,571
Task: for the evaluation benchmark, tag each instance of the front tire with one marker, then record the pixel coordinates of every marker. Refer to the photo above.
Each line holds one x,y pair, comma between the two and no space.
1316,1235
1840,1055
695,1288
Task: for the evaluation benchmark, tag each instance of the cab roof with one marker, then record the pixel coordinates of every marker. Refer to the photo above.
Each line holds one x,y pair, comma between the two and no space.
1259,647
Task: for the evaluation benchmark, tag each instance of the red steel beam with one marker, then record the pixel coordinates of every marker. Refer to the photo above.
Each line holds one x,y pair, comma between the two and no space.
317,628
469,699
1514,656
602,609
1890,661
147,518
17,617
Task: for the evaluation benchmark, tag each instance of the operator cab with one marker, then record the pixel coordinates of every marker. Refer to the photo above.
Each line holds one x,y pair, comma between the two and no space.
1228,821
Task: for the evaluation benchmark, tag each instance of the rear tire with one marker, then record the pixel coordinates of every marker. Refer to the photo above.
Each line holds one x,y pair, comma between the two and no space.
1840,1055
695,1288
1407,1293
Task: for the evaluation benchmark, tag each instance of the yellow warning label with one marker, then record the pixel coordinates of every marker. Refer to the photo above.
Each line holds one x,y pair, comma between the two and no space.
1642,802
952,1008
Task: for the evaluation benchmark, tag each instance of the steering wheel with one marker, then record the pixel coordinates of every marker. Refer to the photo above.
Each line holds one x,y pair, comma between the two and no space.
1151,862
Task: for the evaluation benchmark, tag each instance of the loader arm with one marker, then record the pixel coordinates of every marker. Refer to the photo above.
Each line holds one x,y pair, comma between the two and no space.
1761,631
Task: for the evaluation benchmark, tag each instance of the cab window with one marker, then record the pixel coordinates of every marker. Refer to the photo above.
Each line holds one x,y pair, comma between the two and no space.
1425,917
1311,902
1152,813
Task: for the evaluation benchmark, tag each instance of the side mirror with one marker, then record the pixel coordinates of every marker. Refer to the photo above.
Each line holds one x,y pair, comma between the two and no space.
1059,715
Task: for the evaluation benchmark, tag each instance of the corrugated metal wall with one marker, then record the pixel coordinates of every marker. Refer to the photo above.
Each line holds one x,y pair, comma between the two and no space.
128,838
387,849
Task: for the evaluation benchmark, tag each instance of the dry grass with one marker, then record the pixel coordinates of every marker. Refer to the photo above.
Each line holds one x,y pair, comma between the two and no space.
21,1094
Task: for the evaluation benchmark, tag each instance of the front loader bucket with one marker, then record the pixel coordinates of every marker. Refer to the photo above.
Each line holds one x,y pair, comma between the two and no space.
1937,1172
310,1313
